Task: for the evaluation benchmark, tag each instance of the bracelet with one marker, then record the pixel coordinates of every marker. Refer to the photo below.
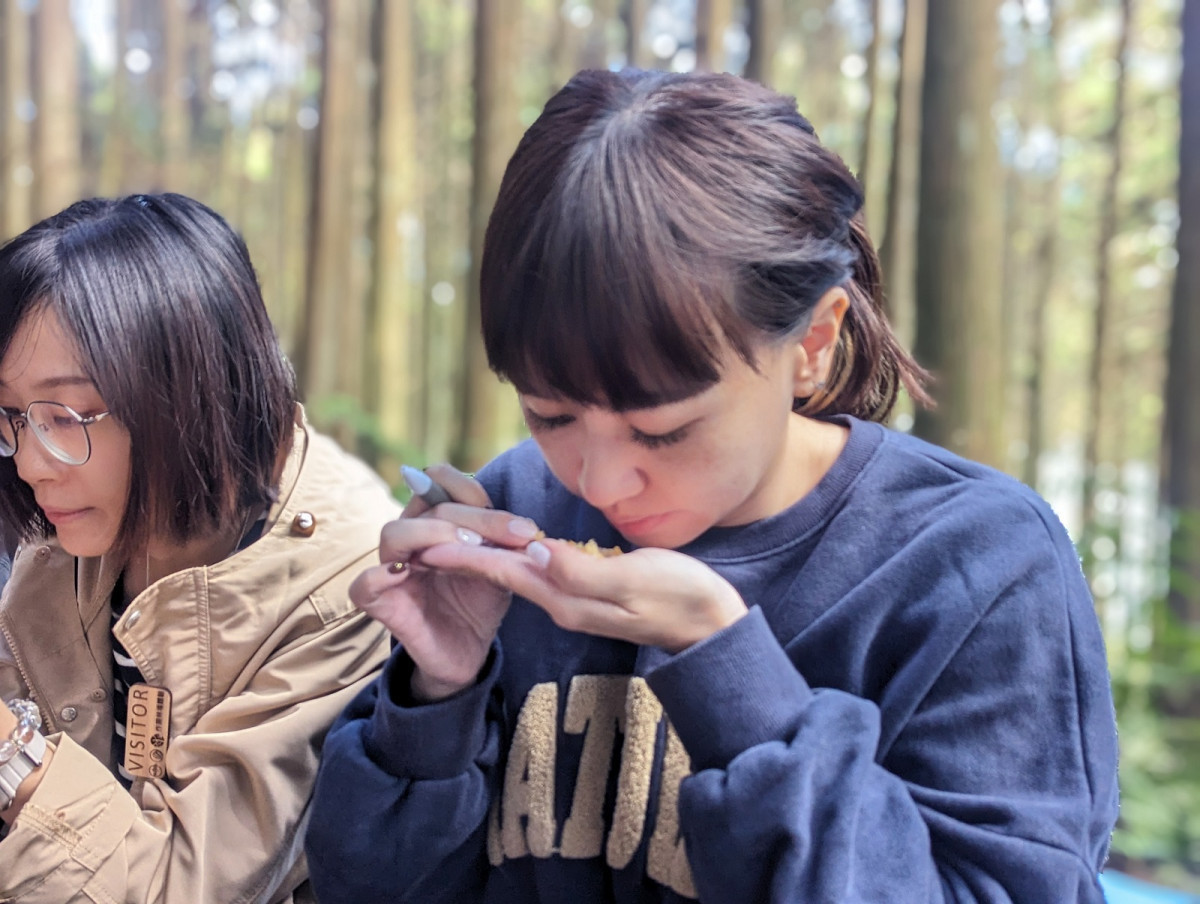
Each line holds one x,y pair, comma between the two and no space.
22,751
29,720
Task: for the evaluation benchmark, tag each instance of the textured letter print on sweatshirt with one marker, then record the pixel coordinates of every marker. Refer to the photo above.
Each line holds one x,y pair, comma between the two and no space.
611,723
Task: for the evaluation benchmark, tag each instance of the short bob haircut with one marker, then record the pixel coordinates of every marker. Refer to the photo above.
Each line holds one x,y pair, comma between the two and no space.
649,219
162,301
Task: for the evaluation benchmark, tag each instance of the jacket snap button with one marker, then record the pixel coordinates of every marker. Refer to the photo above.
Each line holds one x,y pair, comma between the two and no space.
304,524
133,618
68,713
99,694
43,552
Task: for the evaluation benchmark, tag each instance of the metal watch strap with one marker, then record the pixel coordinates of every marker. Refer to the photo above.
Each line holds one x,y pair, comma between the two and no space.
18,768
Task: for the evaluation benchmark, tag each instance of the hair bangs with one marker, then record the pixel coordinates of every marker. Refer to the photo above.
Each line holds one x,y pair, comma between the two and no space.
604,309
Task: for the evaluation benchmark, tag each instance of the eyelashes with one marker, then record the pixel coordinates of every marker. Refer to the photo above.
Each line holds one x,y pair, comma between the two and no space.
659,440
536,422
539,424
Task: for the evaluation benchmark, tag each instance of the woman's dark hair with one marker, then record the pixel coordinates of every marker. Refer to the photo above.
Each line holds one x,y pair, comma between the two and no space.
161,299
648,217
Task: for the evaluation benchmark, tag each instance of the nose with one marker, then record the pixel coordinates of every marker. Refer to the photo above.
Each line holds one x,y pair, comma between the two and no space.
34,462
607,477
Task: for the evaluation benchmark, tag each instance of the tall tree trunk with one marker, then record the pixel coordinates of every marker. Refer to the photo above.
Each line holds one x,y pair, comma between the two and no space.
870,78
16,108
1102,315
445,115
1181,418
115,145
765,18
1019,91
393,379
331,353
633,12
1045,260
175,128
713,17
959,222
483,425
898,250
57,139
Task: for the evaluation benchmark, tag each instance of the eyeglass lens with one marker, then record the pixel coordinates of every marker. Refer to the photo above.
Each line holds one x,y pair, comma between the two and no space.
56,427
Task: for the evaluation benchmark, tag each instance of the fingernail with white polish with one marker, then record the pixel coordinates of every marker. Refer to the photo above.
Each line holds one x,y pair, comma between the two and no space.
539,552
468,536
523,527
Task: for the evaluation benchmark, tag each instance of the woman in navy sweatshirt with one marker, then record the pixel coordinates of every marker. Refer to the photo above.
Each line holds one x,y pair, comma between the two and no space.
834,663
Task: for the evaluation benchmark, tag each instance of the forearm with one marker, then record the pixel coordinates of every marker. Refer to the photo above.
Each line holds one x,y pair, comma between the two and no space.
401,800
956,808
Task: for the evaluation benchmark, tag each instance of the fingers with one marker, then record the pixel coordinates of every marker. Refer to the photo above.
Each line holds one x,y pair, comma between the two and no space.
405,539
650,596
372,584
458,486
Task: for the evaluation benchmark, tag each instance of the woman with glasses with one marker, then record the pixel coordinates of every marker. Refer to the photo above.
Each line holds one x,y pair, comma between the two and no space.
177,633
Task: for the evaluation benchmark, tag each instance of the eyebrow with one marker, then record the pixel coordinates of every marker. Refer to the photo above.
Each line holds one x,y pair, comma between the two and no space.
70,380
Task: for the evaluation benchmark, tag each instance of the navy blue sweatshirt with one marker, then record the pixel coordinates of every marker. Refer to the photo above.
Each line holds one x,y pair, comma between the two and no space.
916,709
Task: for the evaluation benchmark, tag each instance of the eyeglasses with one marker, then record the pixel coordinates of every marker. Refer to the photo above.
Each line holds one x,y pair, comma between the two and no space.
62,431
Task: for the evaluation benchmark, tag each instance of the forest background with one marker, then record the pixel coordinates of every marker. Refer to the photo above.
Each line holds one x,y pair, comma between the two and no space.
1032,173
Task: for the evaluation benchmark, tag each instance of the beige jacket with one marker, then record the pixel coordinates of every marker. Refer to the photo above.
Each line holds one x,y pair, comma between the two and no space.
260,652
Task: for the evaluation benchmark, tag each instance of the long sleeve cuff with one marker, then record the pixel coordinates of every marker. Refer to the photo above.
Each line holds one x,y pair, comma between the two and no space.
430,740
730,692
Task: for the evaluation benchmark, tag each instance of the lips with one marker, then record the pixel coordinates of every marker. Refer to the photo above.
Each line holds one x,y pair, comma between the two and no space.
634,526
59,517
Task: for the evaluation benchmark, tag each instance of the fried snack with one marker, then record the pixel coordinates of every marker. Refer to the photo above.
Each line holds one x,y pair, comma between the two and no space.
591,547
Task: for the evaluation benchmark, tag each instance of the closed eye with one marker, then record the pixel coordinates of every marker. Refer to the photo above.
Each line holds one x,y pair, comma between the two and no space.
537,422
658,440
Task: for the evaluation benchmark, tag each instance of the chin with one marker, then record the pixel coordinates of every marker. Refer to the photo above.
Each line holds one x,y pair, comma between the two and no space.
82,547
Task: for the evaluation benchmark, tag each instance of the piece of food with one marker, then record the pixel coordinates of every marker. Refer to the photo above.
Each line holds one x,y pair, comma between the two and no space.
591,547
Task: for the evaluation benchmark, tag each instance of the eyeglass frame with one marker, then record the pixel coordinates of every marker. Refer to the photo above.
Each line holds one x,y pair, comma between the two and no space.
13,415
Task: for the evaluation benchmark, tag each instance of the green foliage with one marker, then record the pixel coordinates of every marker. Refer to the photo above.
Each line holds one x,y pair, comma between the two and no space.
345,416
1157,697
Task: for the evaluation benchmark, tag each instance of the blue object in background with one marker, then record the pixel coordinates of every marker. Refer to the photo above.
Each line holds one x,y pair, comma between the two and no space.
1122,889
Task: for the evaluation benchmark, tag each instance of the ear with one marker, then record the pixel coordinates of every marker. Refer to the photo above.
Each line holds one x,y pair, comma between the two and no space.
814,351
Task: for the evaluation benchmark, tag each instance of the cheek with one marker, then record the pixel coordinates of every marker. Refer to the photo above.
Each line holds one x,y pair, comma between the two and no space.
563,460
111,477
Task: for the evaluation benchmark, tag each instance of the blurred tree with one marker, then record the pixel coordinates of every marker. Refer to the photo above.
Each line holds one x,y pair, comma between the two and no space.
764,18
483,425
393,373
16,109
330,352
866,134
1102,318
898,245
445,116
116,162
713,17
56,128
1046,254
958,232
1181,418
633,13
173,97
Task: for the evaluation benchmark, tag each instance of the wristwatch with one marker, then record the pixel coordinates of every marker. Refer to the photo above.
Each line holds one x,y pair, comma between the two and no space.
23,750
